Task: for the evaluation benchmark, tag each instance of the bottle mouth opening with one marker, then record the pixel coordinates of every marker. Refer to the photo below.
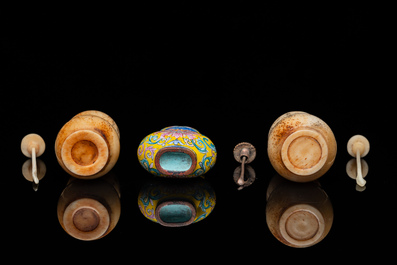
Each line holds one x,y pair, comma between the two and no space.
85,152
304,152
175,161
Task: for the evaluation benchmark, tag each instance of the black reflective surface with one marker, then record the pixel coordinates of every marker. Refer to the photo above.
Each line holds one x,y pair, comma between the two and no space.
227,74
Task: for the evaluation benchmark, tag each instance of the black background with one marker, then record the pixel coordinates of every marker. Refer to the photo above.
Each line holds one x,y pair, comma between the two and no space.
227,73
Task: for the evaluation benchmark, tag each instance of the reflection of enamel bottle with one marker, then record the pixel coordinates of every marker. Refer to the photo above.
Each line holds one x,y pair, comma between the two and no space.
176,203
301,147
177,151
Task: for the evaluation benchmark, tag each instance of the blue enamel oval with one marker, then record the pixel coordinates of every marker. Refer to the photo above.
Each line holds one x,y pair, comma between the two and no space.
175,161
175,213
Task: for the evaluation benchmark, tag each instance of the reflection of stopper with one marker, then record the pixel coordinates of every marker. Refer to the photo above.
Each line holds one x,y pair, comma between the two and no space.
85,152
351,168
304,152
358,147
27,171
244,153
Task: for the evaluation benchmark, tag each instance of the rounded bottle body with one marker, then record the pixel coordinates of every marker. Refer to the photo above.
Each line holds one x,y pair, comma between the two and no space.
88,145
177,151
301,147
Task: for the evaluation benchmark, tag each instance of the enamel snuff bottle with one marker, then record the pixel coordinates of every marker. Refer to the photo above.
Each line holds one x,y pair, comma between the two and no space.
177,152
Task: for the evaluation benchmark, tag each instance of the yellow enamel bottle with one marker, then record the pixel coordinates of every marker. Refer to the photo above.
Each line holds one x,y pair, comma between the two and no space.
177,151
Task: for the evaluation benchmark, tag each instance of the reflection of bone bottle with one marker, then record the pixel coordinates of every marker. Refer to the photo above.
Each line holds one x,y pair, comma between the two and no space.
298,214
88,146
301,147
89,210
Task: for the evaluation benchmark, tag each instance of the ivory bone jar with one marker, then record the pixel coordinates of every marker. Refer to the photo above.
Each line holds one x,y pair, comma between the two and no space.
177,151
301,147
88,146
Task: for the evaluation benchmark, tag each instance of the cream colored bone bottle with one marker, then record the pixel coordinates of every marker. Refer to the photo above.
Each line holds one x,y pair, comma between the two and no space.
301,147
88,145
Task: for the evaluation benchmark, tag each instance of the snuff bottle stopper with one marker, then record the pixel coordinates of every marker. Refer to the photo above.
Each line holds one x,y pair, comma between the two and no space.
358,147
33,146
177,152
88,145
301,146
244,153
